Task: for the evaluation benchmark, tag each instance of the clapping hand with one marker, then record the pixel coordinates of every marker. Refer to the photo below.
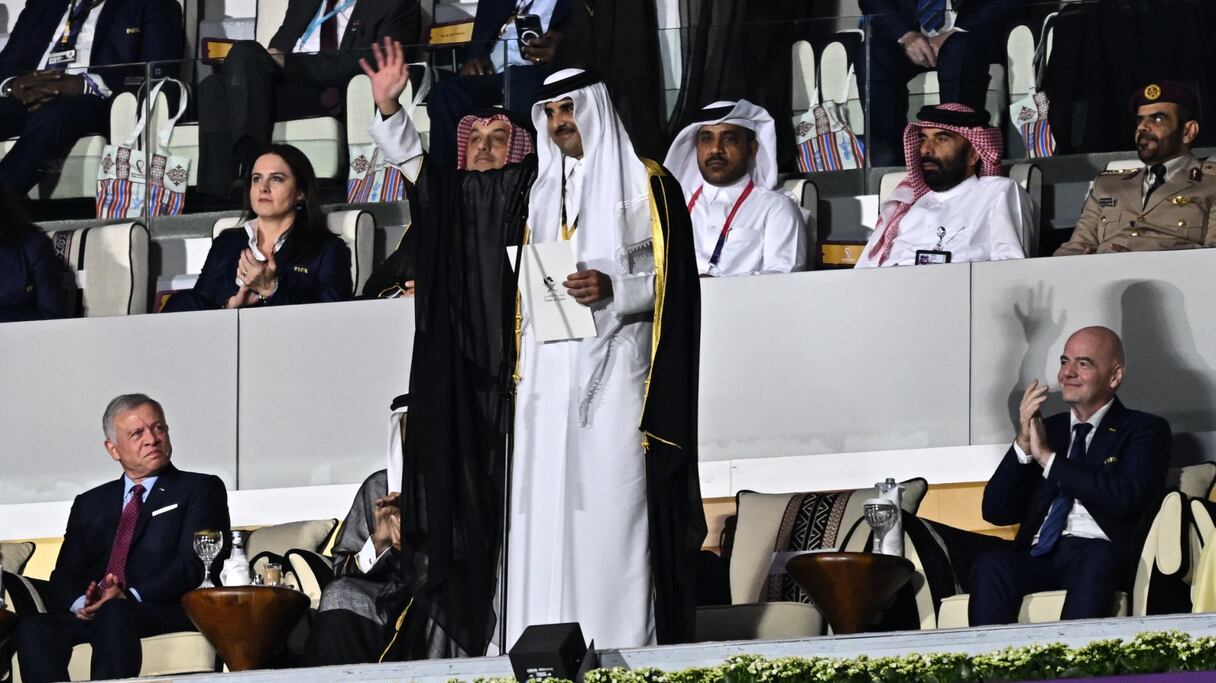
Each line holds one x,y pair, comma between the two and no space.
390,76
1032,435
258,280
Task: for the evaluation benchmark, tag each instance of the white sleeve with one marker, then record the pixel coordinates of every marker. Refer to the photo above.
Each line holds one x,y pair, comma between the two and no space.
1007,222
1023,457
784,238
367,559
399,142
632,294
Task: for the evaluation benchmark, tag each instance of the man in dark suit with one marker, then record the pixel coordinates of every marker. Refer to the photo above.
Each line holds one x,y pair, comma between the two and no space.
304,73
499,68
46,95
1081,484
957,38
127,555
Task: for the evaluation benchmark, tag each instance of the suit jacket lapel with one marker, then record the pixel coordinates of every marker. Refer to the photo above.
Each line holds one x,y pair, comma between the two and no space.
1106,433
109,9
158,495
357,17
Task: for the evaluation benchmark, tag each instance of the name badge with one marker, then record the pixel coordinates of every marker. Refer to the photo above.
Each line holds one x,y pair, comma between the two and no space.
63,57
1106,202
925,257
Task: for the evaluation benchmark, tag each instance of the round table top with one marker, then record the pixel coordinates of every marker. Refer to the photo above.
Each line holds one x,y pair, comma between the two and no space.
247,625
850,588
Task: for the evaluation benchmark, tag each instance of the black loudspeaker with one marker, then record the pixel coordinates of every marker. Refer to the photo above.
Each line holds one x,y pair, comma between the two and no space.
552,651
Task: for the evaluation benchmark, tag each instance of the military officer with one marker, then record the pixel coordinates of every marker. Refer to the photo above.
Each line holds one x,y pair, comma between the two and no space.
1170,202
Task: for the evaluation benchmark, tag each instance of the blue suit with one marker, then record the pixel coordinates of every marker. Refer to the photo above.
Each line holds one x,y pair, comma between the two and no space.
304,278
127,32
161,568
31,280
962,64
1120,478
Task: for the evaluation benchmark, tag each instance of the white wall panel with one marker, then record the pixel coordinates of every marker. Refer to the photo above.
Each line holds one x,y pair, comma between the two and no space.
833,362
315,387
1160,303
58,376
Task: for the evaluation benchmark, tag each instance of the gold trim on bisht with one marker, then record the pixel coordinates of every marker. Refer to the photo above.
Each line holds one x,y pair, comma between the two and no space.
659,245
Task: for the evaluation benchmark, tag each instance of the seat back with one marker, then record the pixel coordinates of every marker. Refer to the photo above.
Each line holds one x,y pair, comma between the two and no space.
360,108
356,228
270,17
111,267
806,193
1165,569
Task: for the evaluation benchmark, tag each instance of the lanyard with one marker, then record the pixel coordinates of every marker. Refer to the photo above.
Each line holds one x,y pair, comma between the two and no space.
717,255
567,232
321,18
76,13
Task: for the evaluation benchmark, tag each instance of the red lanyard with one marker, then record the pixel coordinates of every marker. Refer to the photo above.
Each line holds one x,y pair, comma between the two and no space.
717,255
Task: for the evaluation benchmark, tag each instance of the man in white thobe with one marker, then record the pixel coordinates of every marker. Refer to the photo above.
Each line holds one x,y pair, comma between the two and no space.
954,205
727,166
582,546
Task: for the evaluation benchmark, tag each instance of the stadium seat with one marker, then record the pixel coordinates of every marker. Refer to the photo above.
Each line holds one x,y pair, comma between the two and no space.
111,267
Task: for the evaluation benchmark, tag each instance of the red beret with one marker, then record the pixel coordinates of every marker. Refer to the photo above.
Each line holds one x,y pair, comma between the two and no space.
1165,91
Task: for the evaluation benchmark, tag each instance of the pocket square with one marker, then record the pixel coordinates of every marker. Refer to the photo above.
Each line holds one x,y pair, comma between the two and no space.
164,509
1111,460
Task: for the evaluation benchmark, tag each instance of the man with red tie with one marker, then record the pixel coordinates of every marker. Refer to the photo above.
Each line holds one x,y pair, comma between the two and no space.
127,555
1082,484
303,74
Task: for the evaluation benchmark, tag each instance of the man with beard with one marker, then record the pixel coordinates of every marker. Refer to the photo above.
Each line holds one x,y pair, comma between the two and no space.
954,205
727,166
1170,202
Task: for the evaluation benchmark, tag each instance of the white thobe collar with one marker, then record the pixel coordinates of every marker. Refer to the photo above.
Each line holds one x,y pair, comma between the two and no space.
574,188
724,194
931,198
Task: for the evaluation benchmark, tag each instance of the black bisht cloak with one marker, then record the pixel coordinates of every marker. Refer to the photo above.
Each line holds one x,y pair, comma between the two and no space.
669,417
452,483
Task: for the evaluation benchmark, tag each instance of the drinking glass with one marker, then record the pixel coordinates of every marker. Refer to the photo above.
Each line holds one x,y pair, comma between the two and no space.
207,545
272,575
881,516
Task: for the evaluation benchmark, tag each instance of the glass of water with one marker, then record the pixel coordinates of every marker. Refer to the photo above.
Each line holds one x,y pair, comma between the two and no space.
207,545
881,516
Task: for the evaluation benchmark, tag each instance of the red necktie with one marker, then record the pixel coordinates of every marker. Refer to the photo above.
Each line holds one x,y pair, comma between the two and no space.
122,538
329,29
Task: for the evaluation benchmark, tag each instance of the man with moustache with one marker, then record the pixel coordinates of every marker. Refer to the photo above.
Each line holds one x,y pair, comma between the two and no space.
727,166
1170,202
954,205
128,553
1081,485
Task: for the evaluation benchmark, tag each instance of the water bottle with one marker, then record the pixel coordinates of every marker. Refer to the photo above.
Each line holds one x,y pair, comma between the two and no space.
236,567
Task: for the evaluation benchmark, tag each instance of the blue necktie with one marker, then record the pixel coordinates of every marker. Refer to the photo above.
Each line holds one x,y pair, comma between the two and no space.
931,14
1057,516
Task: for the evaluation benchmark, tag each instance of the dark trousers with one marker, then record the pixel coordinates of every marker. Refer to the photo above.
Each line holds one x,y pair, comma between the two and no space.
46,135
962,72
238,106
454,98
339,636
1089,569
45,642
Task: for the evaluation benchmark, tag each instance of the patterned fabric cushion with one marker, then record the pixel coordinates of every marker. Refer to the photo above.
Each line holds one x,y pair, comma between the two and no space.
820,519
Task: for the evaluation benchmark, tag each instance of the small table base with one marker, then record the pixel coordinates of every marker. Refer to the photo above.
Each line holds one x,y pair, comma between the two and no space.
850,588
247,625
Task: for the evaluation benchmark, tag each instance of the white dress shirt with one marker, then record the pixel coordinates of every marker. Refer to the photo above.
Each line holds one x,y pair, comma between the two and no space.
1080,523
767,234
984,219
312,42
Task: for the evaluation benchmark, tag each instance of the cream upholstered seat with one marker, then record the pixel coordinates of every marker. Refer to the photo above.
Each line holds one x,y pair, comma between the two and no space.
111,266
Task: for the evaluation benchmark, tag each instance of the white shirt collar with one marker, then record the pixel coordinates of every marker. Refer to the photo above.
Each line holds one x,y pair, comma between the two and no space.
1095,419
253,240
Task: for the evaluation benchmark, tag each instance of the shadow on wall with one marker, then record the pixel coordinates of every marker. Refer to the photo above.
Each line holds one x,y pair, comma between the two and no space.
1166,373
1042,327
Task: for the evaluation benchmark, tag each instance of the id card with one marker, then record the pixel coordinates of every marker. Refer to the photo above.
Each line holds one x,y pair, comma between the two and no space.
64,57
928,256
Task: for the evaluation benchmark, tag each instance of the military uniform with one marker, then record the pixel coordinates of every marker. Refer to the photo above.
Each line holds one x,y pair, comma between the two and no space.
1180,214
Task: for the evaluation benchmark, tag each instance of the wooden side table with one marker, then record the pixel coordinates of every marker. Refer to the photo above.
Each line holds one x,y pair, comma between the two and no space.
850,588
247,625
8,625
